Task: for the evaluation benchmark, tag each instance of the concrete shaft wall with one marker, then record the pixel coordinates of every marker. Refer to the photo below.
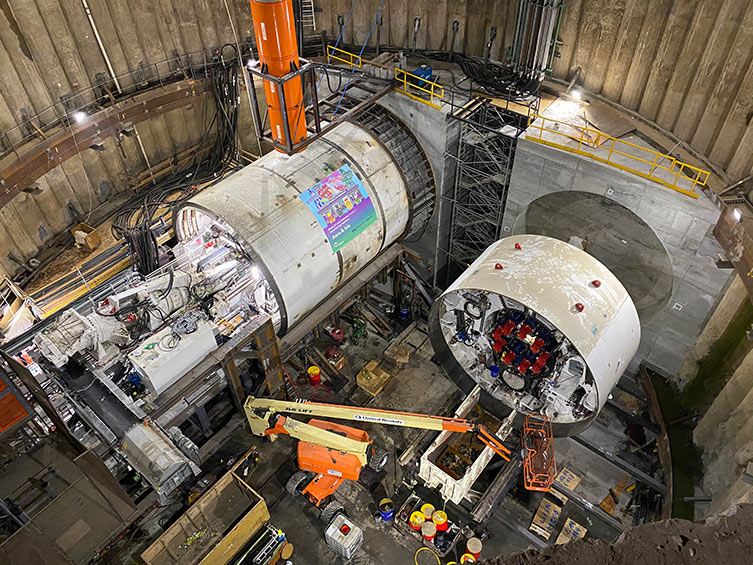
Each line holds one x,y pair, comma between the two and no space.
687,66
725,433
48,50
681,224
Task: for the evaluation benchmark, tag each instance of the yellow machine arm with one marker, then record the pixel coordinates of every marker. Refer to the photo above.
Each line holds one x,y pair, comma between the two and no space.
259,411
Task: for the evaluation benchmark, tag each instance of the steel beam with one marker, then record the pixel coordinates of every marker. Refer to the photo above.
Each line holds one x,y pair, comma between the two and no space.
624,465
45,155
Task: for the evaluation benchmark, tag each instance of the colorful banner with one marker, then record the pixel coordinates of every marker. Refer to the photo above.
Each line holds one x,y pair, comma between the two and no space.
341,205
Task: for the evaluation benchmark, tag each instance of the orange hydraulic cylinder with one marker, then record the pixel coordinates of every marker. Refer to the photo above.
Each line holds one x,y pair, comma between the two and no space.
274,26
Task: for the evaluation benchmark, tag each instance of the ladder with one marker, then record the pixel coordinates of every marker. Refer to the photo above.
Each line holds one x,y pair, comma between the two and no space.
307,14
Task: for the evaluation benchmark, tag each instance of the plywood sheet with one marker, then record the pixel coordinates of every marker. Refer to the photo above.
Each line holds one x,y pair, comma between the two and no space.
607,120
567,479
545,519
570,531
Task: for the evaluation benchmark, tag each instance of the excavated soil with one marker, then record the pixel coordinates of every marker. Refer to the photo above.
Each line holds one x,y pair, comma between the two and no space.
726,539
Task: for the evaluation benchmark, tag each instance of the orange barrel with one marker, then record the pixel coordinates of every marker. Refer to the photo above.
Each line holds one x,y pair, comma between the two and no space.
440,520
274,27
427,510
417,520
428,530
315,375
473,546
467,558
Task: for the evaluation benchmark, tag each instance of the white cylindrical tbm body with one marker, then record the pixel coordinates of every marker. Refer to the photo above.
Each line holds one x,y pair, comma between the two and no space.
310,221
541,326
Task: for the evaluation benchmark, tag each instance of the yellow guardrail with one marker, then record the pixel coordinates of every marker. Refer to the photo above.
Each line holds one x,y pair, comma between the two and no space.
338,54
623,155
408,82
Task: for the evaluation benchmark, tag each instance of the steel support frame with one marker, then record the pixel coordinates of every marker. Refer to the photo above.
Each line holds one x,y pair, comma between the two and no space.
306,73
484,160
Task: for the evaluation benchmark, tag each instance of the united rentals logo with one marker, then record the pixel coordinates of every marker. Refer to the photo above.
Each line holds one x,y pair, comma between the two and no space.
379,420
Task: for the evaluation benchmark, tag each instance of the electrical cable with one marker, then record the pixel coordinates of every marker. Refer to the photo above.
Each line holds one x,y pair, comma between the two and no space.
420,549
219,139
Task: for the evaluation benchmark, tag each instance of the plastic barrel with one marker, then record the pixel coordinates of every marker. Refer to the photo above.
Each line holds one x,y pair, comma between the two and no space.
474,546
427,510
440,520
416,520
315,375
428,530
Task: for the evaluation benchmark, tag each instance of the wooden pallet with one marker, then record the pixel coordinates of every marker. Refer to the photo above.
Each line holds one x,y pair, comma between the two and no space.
372,379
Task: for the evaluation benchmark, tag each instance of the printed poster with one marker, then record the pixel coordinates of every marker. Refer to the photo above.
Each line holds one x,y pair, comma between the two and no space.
341,205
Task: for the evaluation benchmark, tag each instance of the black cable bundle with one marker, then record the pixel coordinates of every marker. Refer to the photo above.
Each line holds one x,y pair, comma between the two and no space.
143,247
162,196
496,78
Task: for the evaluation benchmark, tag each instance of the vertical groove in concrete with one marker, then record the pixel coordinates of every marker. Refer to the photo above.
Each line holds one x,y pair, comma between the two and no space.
22,87
476,28
741,164
42,50
13,92
648,41
399,34
569,35
106,26
678,23
205,16
245,26
63,44
727,85
509,28
86,44
596,40
690,56
710,67
736,122
363,15
436,26
126,34
169,28
624,48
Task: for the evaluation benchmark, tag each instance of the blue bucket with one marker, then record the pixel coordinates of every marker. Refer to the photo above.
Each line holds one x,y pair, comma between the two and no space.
386,509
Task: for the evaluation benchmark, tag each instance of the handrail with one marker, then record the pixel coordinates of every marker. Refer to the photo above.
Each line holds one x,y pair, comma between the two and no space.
407,82
414,82
63,113
352,60
642,161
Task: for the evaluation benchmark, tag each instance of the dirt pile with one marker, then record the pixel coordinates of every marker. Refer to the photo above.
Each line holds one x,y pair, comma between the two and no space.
727,538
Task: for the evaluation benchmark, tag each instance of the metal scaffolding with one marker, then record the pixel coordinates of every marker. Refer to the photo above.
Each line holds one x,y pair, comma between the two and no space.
484,154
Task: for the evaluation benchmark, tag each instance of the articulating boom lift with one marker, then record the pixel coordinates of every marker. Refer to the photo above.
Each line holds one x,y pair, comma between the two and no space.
336,452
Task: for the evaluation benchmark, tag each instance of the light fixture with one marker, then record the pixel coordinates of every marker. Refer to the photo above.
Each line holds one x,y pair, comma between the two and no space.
576,93
737,214
79,116
98,144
